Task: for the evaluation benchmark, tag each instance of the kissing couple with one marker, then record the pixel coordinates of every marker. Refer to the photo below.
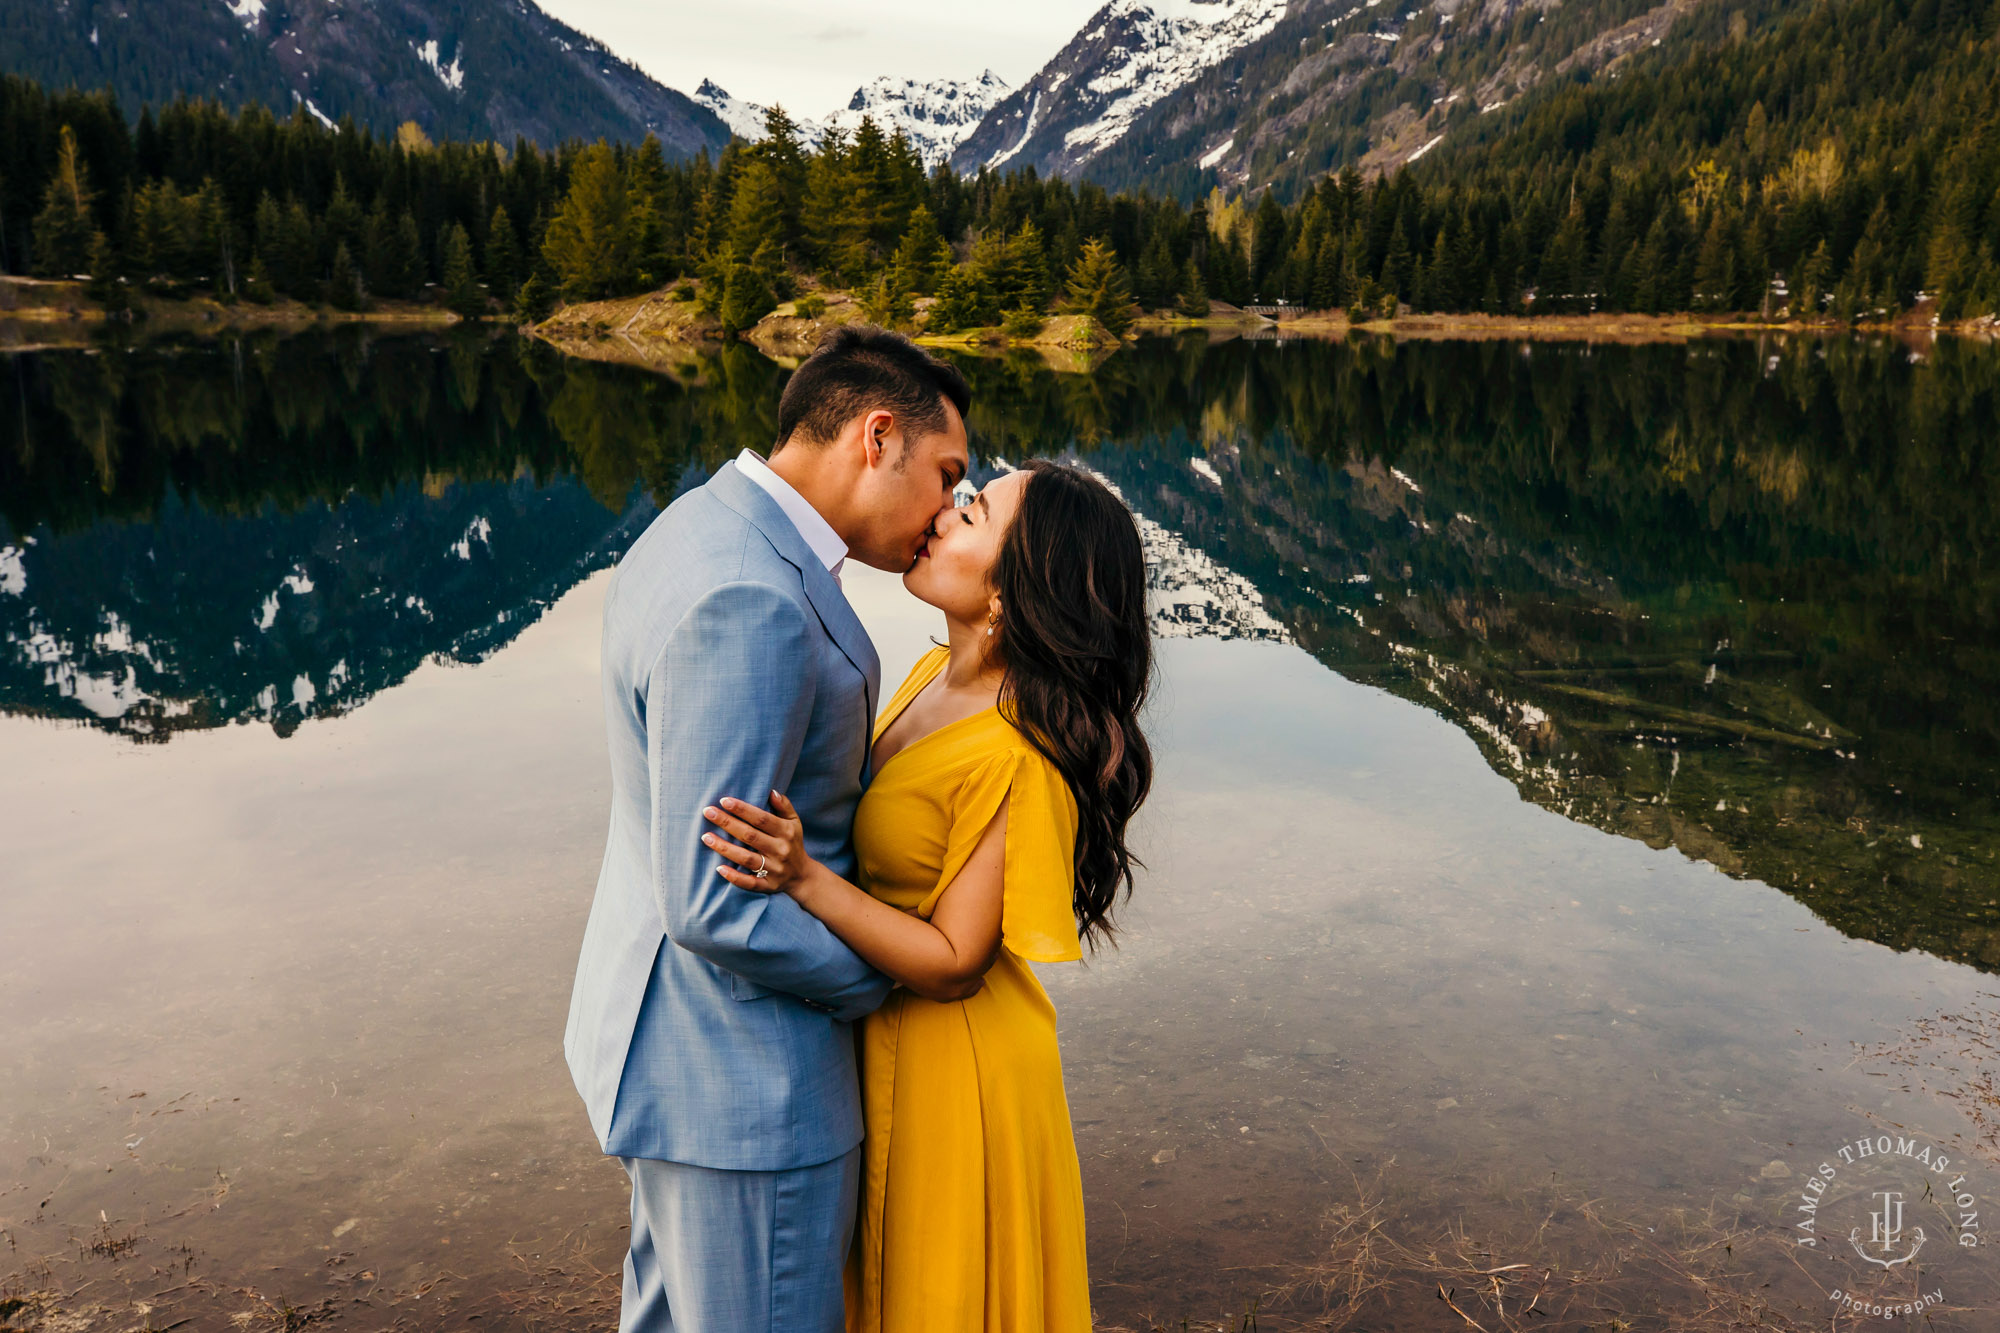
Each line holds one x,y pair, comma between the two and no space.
804,1019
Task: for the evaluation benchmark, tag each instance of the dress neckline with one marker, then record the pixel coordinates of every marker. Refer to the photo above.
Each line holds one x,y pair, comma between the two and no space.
901,706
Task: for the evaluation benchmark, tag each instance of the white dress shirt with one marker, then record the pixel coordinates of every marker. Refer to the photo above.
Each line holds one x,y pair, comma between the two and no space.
818,533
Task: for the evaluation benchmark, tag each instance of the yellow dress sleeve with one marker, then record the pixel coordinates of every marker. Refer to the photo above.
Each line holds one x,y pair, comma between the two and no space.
920,675
1037,907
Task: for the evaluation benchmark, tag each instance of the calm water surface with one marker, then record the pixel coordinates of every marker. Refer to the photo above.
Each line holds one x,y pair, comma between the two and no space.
1576,821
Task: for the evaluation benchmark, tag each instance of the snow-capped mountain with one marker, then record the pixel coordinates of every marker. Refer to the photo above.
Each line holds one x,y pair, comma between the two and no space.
934,115
461,69
746,119
1130,56
1178,96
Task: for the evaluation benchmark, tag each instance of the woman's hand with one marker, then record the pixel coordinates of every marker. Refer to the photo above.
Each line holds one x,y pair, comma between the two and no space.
769,852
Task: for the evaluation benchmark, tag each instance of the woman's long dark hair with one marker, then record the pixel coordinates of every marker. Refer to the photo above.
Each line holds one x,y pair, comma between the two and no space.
1078,654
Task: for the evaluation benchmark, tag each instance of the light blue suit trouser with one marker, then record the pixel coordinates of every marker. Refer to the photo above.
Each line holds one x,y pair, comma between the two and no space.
738,1251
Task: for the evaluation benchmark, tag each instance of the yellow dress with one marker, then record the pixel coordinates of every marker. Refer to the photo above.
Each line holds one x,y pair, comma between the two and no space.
971,1198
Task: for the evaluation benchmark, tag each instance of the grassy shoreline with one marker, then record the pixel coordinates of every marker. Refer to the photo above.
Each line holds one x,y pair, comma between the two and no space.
661,328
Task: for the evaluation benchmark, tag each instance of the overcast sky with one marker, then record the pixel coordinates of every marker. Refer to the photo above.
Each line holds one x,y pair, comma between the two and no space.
812,56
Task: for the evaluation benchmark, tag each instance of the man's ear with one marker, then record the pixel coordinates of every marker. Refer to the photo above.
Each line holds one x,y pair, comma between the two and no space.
878,435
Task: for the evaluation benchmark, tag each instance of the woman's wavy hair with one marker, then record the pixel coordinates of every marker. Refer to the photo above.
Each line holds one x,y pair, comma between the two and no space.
1078,655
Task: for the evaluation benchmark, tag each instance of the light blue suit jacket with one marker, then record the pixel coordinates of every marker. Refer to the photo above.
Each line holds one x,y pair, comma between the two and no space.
709,1024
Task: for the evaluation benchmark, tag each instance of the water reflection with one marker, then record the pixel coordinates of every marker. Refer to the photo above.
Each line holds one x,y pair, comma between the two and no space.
1736,597
291,1006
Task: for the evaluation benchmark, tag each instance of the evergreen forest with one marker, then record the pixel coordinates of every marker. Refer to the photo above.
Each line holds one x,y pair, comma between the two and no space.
1805,162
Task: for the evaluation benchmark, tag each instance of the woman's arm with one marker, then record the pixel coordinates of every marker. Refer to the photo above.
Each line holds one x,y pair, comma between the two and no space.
944,958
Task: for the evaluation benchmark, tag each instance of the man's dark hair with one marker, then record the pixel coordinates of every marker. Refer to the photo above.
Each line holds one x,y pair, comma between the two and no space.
858,368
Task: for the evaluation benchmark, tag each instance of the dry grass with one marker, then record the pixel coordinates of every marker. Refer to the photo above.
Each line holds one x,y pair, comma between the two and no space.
1955,1058
567,1291
1551,1259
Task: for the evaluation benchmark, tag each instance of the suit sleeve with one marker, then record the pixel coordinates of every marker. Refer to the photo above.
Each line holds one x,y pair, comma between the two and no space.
727,703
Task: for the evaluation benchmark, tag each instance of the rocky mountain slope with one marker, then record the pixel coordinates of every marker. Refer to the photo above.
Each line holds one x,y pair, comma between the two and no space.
458,68
1184,95
1130,56
935,115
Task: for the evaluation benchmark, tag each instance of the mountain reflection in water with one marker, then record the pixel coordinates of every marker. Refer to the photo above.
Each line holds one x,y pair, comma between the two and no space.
1738,597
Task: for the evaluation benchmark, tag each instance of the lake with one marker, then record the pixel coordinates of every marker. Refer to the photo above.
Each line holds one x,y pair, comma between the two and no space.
1573,878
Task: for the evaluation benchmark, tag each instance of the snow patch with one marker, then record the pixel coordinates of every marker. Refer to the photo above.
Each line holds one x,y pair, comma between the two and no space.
13,572
1206,469
313,111
479,531
246,12
106,696
298,583
451,76
1425,149
1027,132
1215,155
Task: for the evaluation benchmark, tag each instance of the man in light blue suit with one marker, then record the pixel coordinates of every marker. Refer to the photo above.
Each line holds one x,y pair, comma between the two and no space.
709,1027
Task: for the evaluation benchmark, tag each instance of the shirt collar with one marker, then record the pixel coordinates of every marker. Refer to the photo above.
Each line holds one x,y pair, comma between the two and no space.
818,533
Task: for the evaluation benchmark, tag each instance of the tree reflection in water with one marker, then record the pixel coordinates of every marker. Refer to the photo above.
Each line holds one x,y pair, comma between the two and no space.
1738,597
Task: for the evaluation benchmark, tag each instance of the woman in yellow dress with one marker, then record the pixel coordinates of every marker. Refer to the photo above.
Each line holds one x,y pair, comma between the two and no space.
993,835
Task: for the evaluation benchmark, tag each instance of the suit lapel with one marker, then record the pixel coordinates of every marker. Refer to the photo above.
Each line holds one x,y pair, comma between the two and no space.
829,603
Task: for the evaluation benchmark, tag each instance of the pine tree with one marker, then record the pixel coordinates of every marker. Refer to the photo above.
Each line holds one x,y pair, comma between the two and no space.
1397,268
1194,292
345,222
1326,279
533,300
1812,282
66,240
1563,285
406,258
748,296
1025,270
1715,266
922,255
503,255
1950,267
461,281
781,150
299,239
1267,245
589,242
835,235
343,283
653,260
218,239
1157,281
1097,288
961,301
888,300
257,286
